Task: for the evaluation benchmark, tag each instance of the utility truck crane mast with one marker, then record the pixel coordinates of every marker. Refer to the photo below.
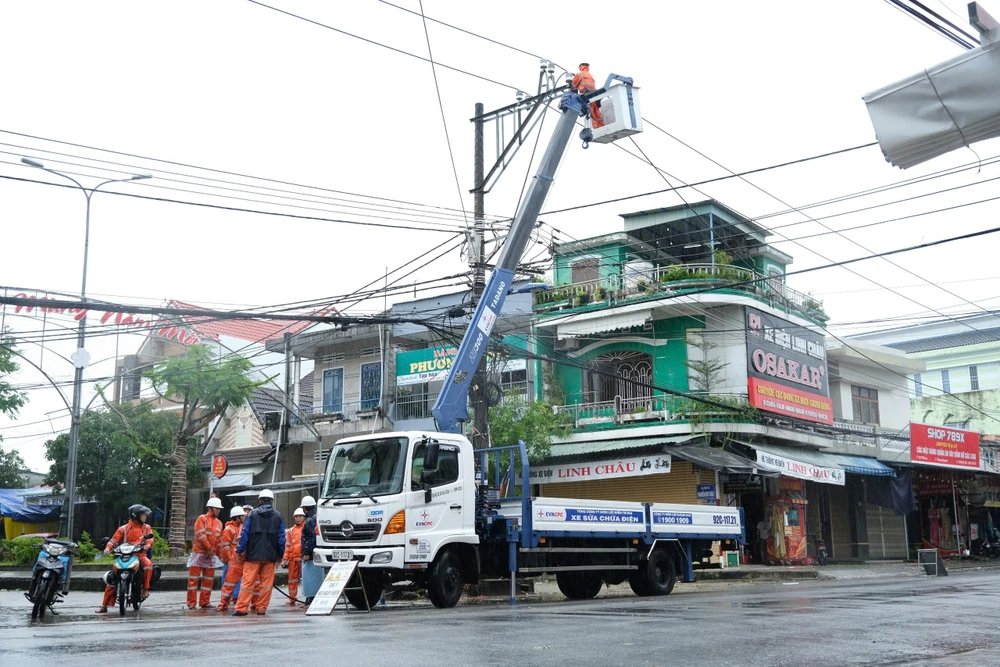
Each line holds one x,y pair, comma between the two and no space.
620,107
416,508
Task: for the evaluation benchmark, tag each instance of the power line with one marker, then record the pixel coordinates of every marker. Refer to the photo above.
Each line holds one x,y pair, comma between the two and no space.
384,46
444,120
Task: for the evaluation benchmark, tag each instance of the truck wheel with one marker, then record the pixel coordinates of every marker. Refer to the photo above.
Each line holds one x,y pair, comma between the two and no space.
638,583
579,585
659,573
373,584
444,583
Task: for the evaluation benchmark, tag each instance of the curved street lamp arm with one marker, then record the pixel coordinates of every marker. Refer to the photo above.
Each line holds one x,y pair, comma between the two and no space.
47,377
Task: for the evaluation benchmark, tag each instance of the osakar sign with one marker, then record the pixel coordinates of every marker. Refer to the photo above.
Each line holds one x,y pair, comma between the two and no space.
160,328
946,447
786,367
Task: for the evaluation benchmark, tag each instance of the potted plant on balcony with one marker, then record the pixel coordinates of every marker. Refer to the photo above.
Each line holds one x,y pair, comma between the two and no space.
600,293
582,297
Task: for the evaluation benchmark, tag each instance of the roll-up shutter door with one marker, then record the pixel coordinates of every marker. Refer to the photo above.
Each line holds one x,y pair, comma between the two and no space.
677,486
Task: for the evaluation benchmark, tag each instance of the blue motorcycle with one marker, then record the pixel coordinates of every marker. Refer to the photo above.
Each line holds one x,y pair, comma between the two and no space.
50,573
125,575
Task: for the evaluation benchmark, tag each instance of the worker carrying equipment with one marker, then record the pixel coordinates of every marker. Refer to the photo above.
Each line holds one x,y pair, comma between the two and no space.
204,555
583,83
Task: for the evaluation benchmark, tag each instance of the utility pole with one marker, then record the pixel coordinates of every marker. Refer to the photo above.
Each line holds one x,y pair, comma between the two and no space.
477,256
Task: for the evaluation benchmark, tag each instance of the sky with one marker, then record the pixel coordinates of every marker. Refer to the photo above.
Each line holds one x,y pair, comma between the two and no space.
237,87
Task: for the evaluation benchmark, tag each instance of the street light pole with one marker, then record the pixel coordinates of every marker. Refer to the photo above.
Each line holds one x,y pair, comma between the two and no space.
81,356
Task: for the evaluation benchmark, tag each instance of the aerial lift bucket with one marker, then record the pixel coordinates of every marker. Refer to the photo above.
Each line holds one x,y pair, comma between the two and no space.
620,108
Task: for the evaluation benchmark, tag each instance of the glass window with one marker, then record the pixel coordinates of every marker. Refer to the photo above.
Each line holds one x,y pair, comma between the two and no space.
918,387
371,385
333,390
865,403
974,378
373,467
446,473
946,381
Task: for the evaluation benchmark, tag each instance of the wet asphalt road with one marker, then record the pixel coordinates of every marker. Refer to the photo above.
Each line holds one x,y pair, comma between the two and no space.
904,621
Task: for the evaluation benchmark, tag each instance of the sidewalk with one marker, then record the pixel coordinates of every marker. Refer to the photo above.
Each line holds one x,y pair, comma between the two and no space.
90,578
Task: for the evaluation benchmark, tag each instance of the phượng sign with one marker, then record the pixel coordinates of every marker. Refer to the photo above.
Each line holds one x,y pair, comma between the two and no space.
786,367
432,365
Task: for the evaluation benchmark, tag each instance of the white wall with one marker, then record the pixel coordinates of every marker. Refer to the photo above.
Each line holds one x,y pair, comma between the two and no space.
893,396
724,328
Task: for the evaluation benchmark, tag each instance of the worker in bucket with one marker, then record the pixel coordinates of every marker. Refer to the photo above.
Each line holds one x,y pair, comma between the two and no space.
293,554
583,83
204,555
312,574
262,544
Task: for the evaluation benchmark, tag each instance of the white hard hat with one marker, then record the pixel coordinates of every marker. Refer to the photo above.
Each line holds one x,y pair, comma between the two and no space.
308,501
298,512
214,502
265,493
236,512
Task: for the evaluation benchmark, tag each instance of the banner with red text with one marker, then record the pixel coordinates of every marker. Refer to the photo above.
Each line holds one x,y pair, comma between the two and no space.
786,367
942,446
609,469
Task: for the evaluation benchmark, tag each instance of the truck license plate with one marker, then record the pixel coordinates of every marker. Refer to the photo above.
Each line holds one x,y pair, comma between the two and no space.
343,554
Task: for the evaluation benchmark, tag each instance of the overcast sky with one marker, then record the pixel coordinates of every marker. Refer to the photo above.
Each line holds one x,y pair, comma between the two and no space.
233,86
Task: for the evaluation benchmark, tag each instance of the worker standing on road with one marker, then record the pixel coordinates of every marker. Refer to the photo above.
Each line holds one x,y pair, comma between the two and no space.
233,578
583,83
262,544
204,555
132,532
312,574
227,552
293,554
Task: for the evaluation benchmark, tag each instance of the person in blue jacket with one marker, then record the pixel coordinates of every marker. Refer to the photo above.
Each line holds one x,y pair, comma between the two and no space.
312,574
262,545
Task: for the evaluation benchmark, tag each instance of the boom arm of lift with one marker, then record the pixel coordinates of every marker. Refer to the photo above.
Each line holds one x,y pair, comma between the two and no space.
451,407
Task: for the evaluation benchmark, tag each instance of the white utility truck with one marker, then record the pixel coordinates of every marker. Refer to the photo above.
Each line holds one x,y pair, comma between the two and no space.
417,506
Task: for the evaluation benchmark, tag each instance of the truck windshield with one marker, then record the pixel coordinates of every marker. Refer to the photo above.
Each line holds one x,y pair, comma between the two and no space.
366,467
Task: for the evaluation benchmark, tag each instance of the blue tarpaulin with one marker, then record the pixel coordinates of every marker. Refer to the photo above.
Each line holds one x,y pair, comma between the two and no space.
12,504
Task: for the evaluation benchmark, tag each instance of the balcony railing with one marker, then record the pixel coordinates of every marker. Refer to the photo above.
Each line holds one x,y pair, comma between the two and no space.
664,279
418,406
342,411
647,408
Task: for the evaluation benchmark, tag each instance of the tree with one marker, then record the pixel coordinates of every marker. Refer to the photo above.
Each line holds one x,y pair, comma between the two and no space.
10,400
11,469
203,385
112,469
707,372
532,422
11,464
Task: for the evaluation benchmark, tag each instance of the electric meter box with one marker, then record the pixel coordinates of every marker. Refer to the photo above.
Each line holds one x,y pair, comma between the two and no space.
622,117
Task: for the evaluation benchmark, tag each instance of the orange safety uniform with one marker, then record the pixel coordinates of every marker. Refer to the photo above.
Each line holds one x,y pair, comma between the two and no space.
293,554
235,572
131,533
207,540
582,83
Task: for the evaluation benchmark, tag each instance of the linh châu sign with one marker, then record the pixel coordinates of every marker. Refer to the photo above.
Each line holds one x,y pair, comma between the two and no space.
786,367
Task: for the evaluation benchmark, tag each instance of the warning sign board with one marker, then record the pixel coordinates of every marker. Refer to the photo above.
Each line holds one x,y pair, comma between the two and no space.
333,587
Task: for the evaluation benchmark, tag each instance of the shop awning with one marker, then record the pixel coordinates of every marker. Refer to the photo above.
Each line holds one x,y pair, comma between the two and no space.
585,327
581,450
238,476
862,465
717,459
800,463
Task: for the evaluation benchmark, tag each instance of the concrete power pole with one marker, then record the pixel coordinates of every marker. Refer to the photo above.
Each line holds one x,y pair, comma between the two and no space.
477,257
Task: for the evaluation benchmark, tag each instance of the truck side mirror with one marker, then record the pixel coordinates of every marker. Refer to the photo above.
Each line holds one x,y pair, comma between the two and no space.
431,456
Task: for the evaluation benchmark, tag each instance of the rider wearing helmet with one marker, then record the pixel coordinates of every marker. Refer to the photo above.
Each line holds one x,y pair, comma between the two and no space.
132,532
262,544
312,575
201,564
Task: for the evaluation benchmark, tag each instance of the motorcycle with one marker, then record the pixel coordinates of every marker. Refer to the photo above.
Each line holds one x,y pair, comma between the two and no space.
986,548
125,575
820,551
49,572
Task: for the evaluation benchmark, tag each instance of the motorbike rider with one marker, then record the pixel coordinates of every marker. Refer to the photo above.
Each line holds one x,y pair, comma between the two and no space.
132,532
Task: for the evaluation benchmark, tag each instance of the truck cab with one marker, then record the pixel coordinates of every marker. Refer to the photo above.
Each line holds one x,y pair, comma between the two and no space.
382,505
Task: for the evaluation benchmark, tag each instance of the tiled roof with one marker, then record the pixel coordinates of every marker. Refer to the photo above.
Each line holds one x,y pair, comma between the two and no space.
252,331
238,456
306,391
264,400
950,340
